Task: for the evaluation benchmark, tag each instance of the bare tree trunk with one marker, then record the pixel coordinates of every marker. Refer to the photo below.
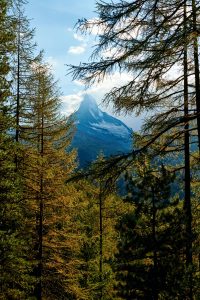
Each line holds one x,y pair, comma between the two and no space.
155,258
187,201
17,95
196,66
101,241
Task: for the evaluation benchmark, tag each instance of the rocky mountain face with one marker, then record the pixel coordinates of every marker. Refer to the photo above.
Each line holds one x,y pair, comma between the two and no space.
97,131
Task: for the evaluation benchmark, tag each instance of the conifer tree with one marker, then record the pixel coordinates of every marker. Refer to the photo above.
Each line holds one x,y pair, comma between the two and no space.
22,61
98,238
15,281
151,39
133,28
145,48
195,12
149,262
47,163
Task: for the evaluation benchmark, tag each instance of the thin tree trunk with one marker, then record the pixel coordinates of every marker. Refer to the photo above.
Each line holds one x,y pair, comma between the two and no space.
40,198
196,66
101,241
18,89
41,202
155,258
187,200
17,96
40,232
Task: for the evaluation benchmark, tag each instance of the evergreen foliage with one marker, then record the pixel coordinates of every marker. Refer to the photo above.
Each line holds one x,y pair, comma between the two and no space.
97,239
61,239
149,263
47,164
14,278
156,43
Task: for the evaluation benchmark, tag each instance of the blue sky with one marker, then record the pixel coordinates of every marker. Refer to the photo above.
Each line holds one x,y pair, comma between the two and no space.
54,21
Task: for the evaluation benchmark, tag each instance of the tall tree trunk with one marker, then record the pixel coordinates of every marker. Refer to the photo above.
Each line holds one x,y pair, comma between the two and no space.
40,250
155,258
187,200
18,89
196,66
101,241
17,112
41,203
40,145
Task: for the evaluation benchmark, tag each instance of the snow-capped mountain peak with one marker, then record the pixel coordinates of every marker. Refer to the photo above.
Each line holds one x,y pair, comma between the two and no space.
95,119
88,103
98,132
88,109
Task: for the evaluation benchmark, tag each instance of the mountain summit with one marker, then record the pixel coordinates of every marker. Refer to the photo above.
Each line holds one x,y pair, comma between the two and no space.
98,132
88,106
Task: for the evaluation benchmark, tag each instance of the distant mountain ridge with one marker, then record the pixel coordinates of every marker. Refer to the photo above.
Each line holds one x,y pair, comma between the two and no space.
97,131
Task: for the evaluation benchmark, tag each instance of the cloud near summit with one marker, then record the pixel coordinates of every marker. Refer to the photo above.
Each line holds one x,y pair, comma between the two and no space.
77,49
71,102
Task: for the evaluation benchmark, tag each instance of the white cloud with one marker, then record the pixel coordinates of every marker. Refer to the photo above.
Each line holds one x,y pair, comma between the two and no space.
79,83
70,103
77,49
115,80
96,27
98,91
79,37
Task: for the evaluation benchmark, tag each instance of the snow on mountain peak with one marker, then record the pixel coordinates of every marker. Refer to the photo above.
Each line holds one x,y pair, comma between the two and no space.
112,128
98,131
88,103
92,118
89,109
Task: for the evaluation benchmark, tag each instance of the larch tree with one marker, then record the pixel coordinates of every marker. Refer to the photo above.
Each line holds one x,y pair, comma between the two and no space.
153,41
22,60
195,34
46,164
15,281
148,39
96,215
